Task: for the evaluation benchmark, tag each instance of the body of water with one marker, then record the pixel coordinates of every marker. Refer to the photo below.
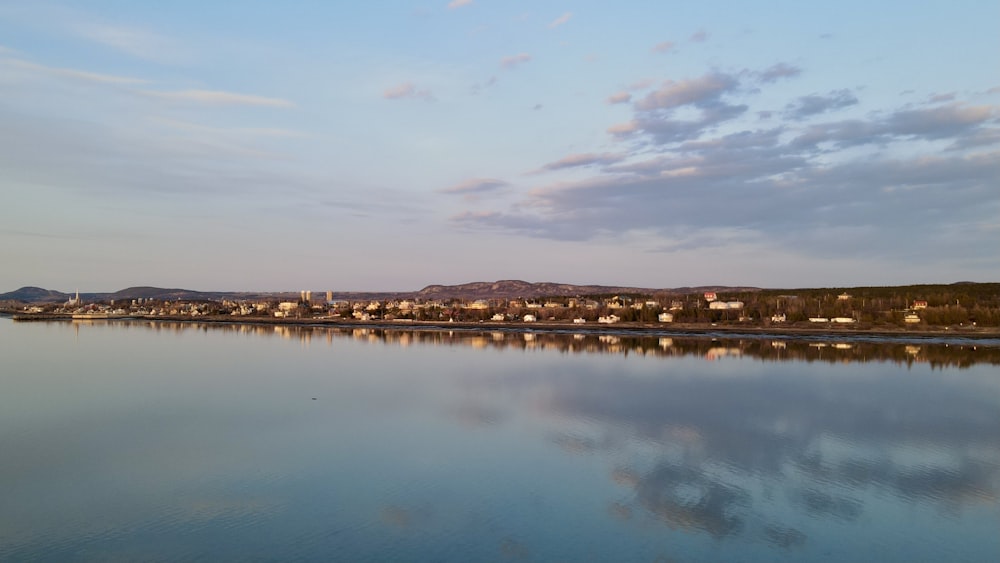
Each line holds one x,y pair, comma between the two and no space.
134,441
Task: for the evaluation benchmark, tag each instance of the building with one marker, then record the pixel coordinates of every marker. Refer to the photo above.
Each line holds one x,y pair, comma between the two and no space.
710,296
529,318
725,305
843,296
919,304
665,317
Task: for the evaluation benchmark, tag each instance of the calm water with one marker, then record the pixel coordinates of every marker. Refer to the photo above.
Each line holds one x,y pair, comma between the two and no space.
125,442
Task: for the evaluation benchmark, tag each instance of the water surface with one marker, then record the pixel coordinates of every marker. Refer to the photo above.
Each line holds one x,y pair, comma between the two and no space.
183,442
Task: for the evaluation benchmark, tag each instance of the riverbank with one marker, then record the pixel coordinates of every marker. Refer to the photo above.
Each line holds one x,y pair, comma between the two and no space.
621,328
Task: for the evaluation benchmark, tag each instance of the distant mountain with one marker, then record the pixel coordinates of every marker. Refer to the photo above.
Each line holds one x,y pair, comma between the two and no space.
502,289
31,294
146,292
518,288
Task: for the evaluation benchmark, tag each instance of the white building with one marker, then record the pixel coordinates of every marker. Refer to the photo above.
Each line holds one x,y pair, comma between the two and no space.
665,318
725,305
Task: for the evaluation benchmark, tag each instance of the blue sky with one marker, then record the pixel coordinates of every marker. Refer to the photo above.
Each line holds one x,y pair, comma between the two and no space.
391,145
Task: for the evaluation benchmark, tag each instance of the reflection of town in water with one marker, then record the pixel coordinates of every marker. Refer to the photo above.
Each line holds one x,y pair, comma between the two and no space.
752,448
939,353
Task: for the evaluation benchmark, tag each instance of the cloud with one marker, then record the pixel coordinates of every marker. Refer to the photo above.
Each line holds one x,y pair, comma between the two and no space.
663,47
778,71
942,97
699,36
673,94
664,129
406,90
561,20
699,188
584,159
621,129
619,98
477,88
458,4
218,97
701,96
476,187
814,104
514,60
69,73
131,41
956,120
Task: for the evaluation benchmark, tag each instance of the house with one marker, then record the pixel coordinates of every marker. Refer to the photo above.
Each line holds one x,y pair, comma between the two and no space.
844,296
778,318
725,305
911,318
497,317
529,318
710,296
610,319
665,317
843,320
920,304
579,321
676,305
819,320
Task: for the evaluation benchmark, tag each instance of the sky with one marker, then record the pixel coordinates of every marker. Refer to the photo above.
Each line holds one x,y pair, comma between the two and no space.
385,146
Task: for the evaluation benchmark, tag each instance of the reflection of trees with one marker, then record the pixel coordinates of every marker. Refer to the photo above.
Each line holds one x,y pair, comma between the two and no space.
958,353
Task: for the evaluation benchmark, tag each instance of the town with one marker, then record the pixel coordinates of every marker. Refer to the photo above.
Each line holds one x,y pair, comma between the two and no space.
957,306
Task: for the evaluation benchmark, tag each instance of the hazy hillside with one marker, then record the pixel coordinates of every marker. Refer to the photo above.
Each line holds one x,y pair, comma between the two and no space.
30,294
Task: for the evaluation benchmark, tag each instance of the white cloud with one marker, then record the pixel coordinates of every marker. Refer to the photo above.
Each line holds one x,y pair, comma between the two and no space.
673,93
218,97
458,4
514,60
584,159
69,72
619,98
405,90
132,41
624,128
663,47
778,71
561,20
474,188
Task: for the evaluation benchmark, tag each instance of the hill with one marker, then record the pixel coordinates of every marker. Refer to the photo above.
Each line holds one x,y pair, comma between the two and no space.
30,294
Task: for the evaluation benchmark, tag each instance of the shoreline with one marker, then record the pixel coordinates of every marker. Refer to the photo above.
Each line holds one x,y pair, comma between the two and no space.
637,329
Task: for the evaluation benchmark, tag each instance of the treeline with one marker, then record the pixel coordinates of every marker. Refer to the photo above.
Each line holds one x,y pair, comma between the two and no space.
961,304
